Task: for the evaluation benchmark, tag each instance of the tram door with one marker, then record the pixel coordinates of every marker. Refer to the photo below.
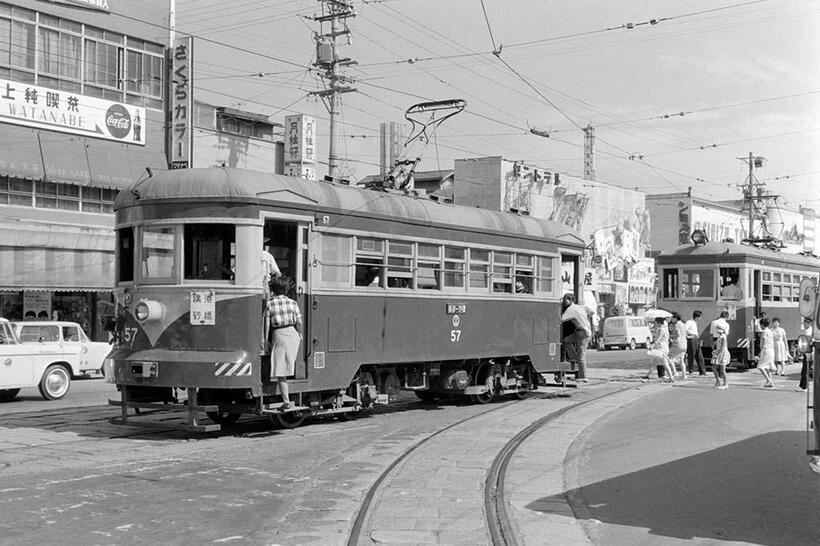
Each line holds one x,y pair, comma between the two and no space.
288,242
570,284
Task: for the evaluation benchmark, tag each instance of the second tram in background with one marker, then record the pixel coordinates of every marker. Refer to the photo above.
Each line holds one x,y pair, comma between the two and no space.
397,292
743,280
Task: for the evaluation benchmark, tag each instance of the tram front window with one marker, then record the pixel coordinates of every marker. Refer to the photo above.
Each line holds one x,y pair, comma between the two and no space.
697,283
210,251
157,252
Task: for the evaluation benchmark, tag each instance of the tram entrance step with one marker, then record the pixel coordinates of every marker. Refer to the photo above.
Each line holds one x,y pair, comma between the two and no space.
277,408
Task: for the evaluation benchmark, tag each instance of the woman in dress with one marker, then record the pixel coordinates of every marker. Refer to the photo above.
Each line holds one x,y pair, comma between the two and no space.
659,351
677,345
765,362
781,350
720,358
286,324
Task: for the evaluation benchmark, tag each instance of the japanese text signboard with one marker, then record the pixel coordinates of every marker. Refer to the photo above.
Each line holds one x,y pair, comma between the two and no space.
181,105
300,146
203,308
67,112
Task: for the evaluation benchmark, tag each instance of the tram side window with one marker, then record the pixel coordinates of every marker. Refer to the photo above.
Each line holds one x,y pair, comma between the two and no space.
502,272
697,283
455,265
670,284
479,270
524,273
369,262
546,275
125,252
399,264
729,283
428,267
210,251
336,260
157,253
766,286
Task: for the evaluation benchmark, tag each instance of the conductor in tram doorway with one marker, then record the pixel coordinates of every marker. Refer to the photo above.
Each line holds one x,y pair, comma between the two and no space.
576,333
286,331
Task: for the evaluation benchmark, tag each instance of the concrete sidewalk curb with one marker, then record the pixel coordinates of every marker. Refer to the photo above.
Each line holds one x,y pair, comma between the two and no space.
544,469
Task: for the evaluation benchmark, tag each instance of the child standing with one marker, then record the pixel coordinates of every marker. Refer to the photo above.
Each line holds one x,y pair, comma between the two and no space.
781,351
720,359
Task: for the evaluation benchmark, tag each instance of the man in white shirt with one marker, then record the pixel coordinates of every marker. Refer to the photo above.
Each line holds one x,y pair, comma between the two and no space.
731,291
693,352
576,333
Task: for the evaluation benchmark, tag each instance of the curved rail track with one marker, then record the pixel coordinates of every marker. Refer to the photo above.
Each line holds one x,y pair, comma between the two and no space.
497,517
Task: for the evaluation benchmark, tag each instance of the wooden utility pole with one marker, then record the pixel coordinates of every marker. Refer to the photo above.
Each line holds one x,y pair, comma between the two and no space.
335,12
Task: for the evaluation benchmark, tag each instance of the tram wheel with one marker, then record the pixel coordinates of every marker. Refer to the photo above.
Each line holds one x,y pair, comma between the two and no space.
223,417
522,394
290,419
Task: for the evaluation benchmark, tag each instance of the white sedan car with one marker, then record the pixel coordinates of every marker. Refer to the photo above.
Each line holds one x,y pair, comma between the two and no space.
83,355
31,365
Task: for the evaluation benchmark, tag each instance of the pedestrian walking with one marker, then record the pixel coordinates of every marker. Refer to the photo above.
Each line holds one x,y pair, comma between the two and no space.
807,358
693,350
765,362
720,359
781,350
719,321
576,334
659,352
677,344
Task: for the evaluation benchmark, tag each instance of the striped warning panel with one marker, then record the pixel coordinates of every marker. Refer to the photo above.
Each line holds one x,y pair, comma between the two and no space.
743,342
232,369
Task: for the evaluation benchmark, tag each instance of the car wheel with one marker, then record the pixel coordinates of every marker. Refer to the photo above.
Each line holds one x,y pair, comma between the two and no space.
632,344
7,395
55,382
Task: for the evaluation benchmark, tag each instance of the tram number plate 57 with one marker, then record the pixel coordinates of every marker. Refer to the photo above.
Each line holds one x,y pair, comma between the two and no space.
203,307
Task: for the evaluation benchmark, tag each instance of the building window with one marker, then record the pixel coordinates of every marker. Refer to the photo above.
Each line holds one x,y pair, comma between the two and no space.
67,55
16,191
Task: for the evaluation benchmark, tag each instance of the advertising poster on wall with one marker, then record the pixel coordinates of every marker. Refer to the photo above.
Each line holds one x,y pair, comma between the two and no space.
56,110
36,305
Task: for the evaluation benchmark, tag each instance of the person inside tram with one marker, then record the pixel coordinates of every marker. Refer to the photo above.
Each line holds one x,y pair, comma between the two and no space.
731,291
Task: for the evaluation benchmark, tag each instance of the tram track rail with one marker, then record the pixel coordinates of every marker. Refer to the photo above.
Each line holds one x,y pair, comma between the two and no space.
496,514
498,519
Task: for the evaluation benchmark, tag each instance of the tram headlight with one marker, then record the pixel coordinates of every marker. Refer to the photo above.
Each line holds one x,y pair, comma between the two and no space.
149,310
804,344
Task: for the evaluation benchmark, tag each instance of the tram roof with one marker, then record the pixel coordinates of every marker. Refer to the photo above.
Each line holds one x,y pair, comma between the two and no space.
720,252
228,185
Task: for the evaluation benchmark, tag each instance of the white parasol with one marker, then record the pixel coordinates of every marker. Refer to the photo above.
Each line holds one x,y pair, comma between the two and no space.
652,314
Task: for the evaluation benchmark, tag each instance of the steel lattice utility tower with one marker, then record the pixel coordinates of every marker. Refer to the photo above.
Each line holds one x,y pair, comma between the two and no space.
589,152
336,12
754,192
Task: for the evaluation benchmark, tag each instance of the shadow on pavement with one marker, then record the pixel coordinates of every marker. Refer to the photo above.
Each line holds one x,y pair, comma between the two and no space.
759,491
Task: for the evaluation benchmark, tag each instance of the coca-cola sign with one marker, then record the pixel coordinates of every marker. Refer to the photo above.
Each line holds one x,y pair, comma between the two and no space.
118,121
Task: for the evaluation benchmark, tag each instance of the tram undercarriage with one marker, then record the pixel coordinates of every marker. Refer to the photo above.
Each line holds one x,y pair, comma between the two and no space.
480,380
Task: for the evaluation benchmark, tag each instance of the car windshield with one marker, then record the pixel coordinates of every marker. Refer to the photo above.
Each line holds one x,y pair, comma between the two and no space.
7,334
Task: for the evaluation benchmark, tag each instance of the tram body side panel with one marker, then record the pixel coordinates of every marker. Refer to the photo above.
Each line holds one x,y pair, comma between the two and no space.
350,330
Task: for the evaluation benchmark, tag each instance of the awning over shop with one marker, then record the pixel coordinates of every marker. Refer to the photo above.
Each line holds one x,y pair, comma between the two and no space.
55,269
55,257
57,157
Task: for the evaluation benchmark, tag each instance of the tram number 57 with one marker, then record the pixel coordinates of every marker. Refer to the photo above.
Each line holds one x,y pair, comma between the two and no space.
455,336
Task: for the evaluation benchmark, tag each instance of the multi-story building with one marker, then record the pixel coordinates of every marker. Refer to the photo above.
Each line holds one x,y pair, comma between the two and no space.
675,215
618,277
82,86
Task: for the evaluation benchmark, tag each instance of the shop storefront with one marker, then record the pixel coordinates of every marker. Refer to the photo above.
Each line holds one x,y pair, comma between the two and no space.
81,117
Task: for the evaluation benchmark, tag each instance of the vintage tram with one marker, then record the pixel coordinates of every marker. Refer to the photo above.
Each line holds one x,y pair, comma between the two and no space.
743,280
397,292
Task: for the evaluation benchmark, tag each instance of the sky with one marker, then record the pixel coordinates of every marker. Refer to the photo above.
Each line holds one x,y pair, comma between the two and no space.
744,74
